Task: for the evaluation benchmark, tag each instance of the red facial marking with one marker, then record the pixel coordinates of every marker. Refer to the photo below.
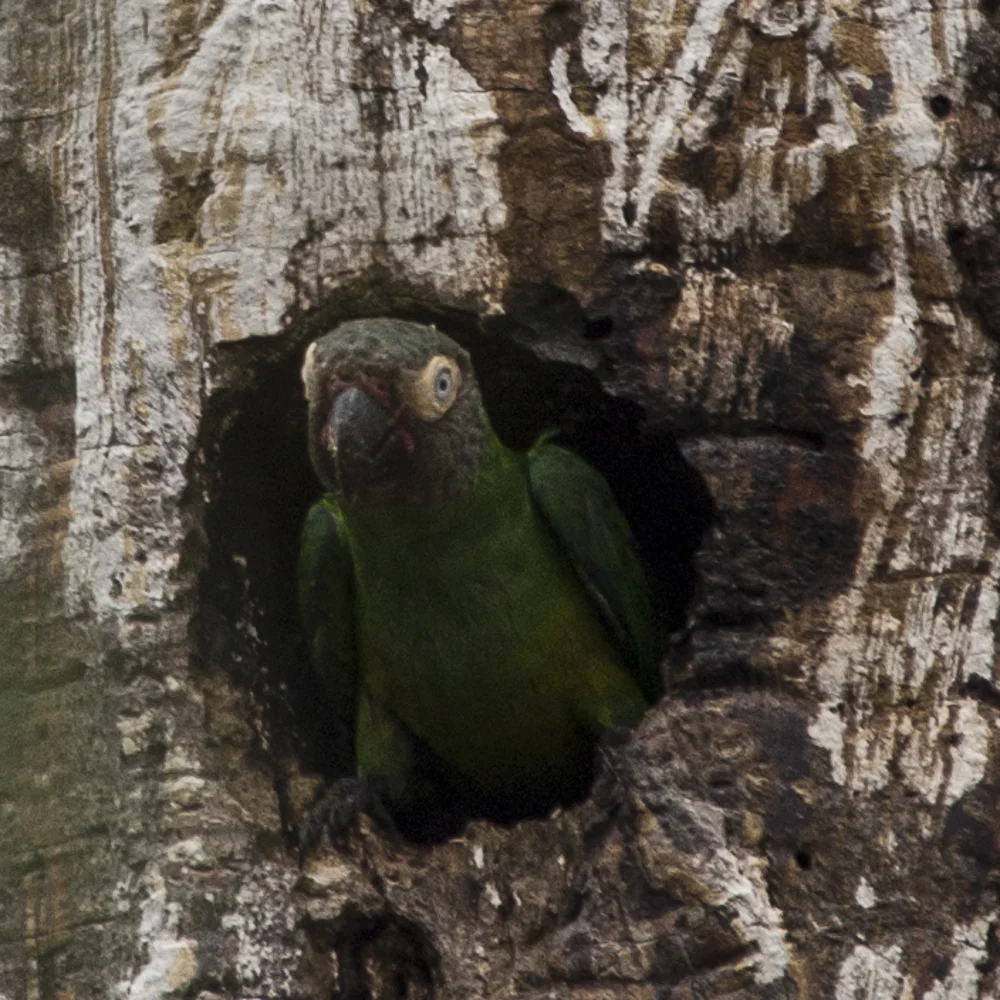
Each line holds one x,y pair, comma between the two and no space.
406,437
335,386
377,388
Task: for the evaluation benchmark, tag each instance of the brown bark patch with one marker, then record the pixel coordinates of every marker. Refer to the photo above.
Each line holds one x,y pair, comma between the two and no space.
552,185
977,251
845,224
185,25
552,179
180,205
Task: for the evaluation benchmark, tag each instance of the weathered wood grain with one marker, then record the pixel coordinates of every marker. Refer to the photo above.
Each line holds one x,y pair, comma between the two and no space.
774,225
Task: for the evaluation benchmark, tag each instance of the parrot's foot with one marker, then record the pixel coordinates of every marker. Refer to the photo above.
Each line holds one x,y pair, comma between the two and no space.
337,812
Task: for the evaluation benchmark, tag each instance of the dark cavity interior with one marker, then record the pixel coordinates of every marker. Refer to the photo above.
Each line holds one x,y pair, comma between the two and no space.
257,484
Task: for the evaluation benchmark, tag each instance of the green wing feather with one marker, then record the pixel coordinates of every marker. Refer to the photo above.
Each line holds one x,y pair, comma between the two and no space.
579,507
326,605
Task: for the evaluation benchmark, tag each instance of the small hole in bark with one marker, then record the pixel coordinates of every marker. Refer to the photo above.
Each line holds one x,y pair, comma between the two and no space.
720,779
803,859
598,329
629,212
940,105
572,906
940,967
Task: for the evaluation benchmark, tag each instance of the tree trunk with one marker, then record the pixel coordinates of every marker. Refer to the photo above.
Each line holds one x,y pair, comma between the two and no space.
773,227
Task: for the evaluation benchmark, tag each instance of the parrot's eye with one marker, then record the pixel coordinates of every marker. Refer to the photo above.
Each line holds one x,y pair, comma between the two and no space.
436,388
442,383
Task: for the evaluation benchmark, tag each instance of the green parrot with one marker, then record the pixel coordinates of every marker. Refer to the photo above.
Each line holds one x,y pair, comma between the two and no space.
477,616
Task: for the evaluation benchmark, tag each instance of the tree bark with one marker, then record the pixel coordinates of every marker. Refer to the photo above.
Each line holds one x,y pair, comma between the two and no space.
773,226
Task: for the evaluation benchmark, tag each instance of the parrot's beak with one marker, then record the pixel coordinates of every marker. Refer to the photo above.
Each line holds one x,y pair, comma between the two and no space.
366,444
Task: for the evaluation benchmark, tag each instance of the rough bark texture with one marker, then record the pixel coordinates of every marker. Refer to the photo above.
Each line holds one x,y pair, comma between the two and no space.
775,226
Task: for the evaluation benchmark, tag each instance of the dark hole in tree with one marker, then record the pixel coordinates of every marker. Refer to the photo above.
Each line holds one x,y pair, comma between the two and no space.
598,329
803,858
254,470
940,105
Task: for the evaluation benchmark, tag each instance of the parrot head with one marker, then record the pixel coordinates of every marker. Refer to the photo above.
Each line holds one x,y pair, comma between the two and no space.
395,416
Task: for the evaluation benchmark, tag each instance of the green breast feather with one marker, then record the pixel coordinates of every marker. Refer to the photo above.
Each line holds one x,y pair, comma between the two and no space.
502,644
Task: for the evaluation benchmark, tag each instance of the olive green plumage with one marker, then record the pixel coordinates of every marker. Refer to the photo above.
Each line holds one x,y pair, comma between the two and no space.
477,615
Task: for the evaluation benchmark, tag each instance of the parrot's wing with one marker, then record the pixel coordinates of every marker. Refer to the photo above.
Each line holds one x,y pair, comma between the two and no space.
579,507
326,605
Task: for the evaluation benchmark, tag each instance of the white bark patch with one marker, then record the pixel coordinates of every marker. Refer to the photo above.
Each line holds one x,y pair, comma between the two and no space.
190,853
645,112
969,752
921,763
872,974
864,895
932,638
136,733
171,962
892,391
436,13
442,175
760,209
23,454
730,879
267,952
559,73
310,155
967,962
185,792
741,881
828,731
917,620
139,391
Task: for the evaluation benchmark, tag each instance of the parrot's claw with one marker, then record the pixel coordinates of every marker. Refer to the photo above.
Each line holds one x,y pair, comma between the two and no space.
337,813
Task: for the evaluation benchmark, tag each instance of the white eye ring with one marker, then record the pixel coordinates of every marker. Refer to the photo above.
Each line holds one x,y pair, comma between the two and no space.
436,388
308,365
